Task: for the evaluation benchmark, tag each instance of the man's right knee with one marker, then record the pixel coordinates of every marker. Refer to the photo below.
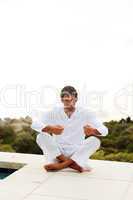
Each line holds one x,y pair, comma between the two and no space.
95,141
44,139
39,138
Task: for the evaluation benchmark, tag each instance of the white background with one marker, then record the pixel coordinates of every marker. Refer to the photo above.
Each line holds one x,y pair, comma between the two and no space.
47,44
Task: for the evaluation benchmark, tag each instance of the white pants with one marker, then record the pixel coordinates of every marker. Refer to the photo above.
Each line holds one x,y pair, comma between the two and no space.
79,153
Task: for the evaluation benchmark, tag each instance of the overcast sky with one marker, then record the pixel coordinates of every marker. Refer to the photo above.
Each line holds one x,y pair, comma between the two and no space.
47,44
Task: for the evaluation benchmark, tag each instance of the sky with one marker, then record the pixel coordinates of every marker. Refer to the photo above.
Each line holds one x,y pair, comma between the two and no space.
48,44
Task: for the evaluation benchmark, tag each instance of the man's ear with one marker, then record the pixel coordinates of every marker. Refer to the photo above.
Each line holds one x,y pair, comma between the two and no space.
76,99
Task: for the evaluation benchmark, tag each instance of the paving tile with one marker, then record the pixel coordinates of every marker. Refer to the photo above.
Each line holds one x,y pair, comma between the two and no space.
17,191
129,193
39,197
81,188
29,174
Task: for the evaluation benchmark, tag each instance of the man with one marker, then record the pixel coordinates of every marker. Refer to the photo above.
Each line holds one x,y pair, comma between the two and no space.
62,133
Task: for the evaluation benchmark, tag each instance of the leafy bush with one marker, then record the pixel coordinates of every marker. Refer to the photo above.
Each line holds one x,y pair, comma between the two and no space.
25,143
6,148
123,157
130,147
8,135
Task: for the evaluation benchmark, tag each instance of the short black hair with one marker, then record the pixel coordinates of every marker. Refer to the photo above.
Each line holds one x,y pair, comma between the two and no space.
69,89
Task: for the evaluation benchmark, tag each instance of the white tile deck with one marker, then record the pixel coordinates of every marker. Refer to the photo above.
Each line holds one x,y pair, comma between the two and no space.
107,181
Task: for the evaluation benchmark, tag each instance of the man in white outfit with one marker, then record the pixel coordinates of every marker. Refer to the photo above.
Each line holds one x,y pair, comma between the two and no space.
62,133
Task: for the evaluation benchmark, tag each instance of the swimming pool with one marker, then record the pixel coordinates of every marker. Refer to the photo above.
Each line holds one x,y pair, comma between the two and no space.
6,172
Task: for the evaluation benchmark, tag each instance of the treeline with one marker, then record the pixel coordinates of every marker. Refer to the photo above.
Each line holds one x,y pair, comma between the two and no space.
16,135
118,144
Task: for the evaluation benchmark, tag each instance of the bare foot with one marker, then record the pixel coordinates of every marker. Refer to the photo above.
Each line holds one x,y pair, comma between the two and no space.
86,170
74,165
58,166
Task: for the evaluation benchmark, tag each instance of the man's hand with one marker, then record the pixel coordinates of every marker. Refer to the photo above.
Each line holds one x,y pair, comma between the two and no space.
57,129
89,131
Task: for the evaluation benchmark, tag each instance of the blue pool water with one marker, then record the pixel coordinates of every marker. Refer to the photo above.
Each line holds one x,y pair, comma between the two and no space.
6,172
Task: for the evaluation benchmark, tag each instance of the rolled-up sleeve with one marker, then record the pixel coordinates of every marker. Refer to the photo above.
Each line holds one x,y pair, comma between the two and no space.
97,124
38,123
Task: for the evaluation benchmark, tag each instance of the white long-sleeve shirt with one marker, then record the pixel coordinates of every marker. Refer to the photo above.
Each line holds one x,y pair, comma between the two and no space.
73,127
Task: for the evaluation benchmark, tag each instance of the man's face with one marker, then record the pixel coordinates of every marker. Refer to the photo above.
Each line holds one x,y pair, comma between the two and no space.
68,100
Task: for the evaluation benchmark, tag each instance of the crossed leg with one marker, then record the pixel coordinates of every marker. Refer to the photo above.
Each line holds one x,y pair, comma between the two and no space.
64,162
74,165
49,147
47,144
